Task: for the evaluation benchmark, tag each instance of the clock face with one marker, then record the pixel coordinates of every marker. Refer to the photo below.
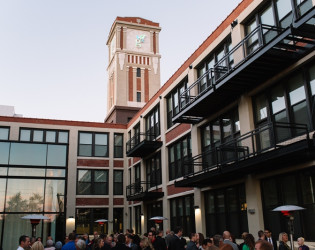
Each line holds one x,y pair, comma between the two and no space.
138,40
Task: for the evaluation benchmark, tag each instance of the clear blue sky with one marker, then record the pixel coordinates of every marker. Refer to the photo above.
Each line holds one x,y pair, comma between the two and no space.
53,53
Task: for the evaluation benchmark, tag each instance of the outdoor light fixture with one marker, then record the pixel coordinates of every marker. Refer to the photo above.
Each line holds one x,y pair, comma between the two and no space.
35,219
234,23
288,211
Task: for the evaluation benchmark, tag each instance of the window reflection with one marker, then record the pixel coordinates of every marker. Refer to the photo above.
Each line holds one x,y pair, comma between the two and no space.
57,155
4,133
54,195
25,195
55,173
28,154
4,152
26,172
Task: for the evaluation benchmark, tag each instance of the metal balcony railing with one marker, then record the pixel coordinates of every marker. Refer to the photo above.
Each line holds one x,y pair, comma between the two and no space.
137,139
264,139
140,187
252,43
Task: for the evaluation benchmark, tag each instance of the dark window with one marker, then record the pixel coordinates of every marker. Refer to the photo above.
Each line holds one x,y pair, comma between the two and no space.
153,170
118,145
226,208
183,214
42,135
118,221
205,68
4,133
138,96
93,144
174,102
290,100
118,182
137,219
86,217
179,152
153,123
294,189
154,209
138,72
92,182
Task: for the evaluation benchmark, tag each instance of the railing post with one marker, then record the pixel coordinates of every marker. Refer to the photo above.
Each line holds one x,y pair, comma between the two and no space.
294,10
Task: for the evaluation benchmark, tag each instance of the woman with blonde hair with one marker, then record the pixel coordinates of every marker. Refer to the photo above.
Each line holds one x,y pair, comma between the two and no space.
283,239
145,244
38,245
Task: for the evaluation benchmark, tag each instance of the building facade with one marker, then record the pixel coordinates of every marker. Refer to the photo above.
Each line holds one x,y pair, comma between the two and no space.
225,140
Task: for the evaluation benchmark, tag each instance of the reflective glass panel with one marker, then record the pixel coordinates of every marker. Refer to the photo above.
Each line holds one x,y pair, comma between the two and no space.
296,89
100,150
3,183
284,7
57,155
25,135
100,176
54,195
267,17
226,127
101,139
4,152
26,172
3,171
261,107
118,140
85,150
25,195
28,154
38,135
277,99
85,138
216,131
50,136
63,137
55,173
4,133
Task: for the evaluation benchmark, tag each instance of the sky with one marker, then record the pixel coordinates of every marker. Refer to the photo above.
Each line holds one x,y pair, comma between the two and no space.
53,53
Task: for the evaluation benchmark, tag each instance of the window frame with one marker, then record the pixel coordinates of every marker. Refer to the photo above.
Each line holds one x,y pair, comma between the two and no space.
45,131
93,145
120,146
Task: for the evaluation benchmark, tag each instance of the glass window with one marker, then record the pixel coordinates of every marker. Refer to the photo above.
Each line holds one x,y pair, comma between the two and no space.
51,136
277,99
3,183
38,136
55,173
54,196
118,145
57,155
63,137
86,217
153,124
39,172
4,152
93,144
28,154
92,182
138,96
4,133
118,182
138,72
153,170
25,135
118,220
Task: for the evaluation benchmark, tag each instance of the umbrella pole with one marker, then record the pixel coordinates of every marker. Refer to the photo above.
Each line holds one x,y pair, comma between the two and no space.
291,230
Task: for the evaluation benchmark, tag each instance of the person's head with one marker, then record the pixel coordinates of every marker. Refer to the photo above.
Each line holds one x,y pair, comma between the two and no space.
226,235
66,239
144,243
85,236
167,231
263,245
178,231
192,237
283,237
39,239
38,245
206,243
49,237
250,241
109,239
159,232
200,239
261,234
216,240
99,242
58,245
24,241
244,234
72,236
151,236
300,241
121,239
49,243
80,245
129,238
95,234
152,229
267,233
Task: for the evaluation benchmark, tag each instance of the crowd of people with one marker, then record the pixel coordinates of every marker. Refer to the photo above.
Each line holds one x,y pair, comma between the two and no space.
155,240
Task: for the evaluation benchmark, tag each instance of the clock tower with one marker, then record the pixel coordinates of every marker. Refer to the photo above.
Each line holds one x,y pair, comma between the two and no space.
133,68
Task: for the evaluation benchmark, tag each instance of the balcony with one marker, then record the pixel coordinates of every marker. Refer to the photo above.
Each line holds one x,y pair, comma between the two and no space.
143,191
270,147
261,55
142,144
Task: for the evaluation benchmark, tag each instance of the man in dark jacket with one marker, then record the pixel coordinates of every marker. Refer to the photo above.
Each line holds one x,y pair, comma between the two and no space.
176,242
192,243
159,243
